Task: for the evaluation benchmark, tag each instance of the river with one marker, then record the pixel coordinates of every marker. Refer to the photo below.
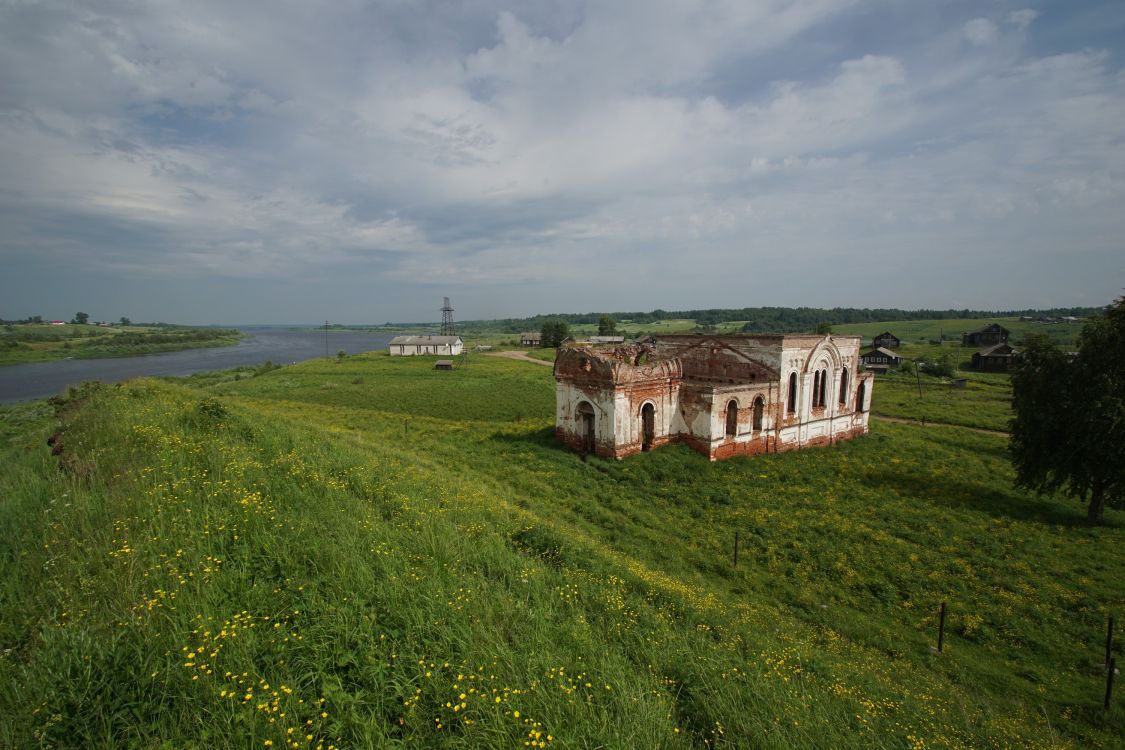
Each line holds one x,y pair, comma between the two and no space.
277,345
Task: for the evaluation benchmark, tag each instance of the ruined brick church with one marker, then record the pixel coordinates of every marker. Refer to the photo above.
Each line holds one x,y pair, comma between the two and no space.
722,395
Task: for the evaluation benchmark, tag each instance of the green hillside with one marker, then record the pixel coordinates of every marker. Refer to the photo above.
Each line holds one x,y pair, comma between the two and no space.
371,553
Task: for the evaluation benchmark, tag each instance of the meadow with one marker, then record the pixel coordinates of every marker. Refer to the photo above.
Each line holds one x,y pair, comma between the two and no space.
367,552
923,332
43,343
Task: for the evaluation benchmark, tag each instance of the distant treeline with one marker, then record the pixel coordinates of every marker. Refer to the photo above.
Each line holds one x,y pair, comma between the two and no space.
769,319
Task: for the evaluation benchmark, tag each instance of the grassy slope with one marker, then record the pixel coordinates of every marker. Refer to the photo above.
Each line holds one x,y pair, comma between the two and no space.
387,538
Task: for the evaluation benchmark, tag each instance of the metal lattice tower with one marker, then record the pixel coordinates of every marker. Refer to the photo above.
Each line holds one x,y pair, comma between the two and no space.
447,328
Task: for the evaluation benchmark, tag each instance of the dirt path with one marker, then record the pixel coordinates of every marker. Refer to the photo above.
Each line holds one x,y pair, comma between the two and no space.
931,423
520,356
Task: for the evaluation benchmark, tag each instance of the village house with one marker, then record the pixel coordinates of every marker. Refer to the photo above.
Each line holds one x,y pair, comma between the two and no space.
993,333
530,338
880,359
606,339
996,358
721,395
408,346
886,340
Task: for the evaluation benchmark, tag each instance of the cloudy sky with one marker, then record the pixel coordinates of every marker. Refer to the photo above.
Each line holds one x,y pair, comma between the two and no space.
239,162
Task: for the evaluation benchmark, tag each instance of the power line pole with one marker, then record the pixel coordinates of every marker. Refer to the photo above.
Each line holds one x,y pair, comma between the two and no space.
326,339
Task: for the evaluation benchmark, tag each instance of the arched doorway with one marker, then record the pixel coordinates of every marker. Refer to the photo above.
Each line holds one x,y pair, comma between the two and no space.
586,427
648,426
860,396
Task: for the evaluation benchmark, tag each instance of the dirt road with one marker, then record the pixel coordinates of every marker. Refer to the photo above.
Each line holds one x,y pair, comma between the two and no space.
520,356
931,423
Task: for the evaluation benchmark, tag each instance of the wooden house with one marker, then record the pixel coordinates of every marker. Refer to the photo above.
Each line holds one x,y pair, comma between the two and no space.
886,340
986,336
996,358
880,359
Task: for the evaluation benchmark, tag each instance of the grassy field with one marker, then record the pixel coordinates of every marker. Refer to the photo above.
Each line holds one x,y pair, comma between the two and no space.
370,553
913,332
984,402
42,343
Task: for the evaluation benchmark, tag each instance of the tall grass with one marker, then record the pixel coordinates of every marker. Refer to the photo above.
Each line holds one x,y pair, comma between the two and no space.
411,560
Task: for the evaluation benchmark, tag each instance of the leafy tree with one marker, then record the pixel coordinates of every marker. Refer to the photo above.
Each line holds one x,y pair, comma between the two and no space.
823,328
607,326
941,366
1068,432
553,333
125,321
80,318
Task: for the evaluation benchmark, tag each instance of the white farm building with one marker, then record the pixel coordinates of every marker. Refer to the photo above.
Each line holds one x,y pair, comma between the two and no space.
407,346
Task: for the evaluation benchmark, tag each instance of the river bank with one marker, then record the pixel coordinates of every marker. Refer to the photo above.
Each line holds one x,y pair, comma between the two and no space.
258,344
29,343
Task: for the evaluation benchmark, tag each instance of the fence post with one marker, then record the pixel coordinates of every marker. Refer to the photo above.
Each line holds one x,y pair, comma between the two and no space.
1109,682
1108,641
941,629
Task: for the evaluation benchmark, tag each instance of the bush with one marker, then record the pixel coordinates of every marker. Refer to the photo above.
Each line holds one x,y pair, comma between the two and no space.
942,366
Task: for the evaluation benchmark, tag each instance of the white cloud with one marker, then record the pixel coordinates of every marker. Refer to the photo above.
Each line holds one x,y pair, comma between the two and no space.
980,31
514,146
1022,18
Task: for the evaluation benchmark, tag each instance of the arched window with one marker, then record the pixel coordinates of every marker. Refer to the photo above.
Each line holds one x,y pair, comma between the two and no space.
792,405
844,386
759,409
860,396
816,389
823,387
732,419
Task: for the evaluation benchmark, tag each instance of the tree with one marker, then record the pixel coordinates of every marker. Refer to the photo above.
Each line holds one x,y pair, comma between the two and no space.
823,328
553,333
942,366
607,326
125,321
80,318
1068,429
